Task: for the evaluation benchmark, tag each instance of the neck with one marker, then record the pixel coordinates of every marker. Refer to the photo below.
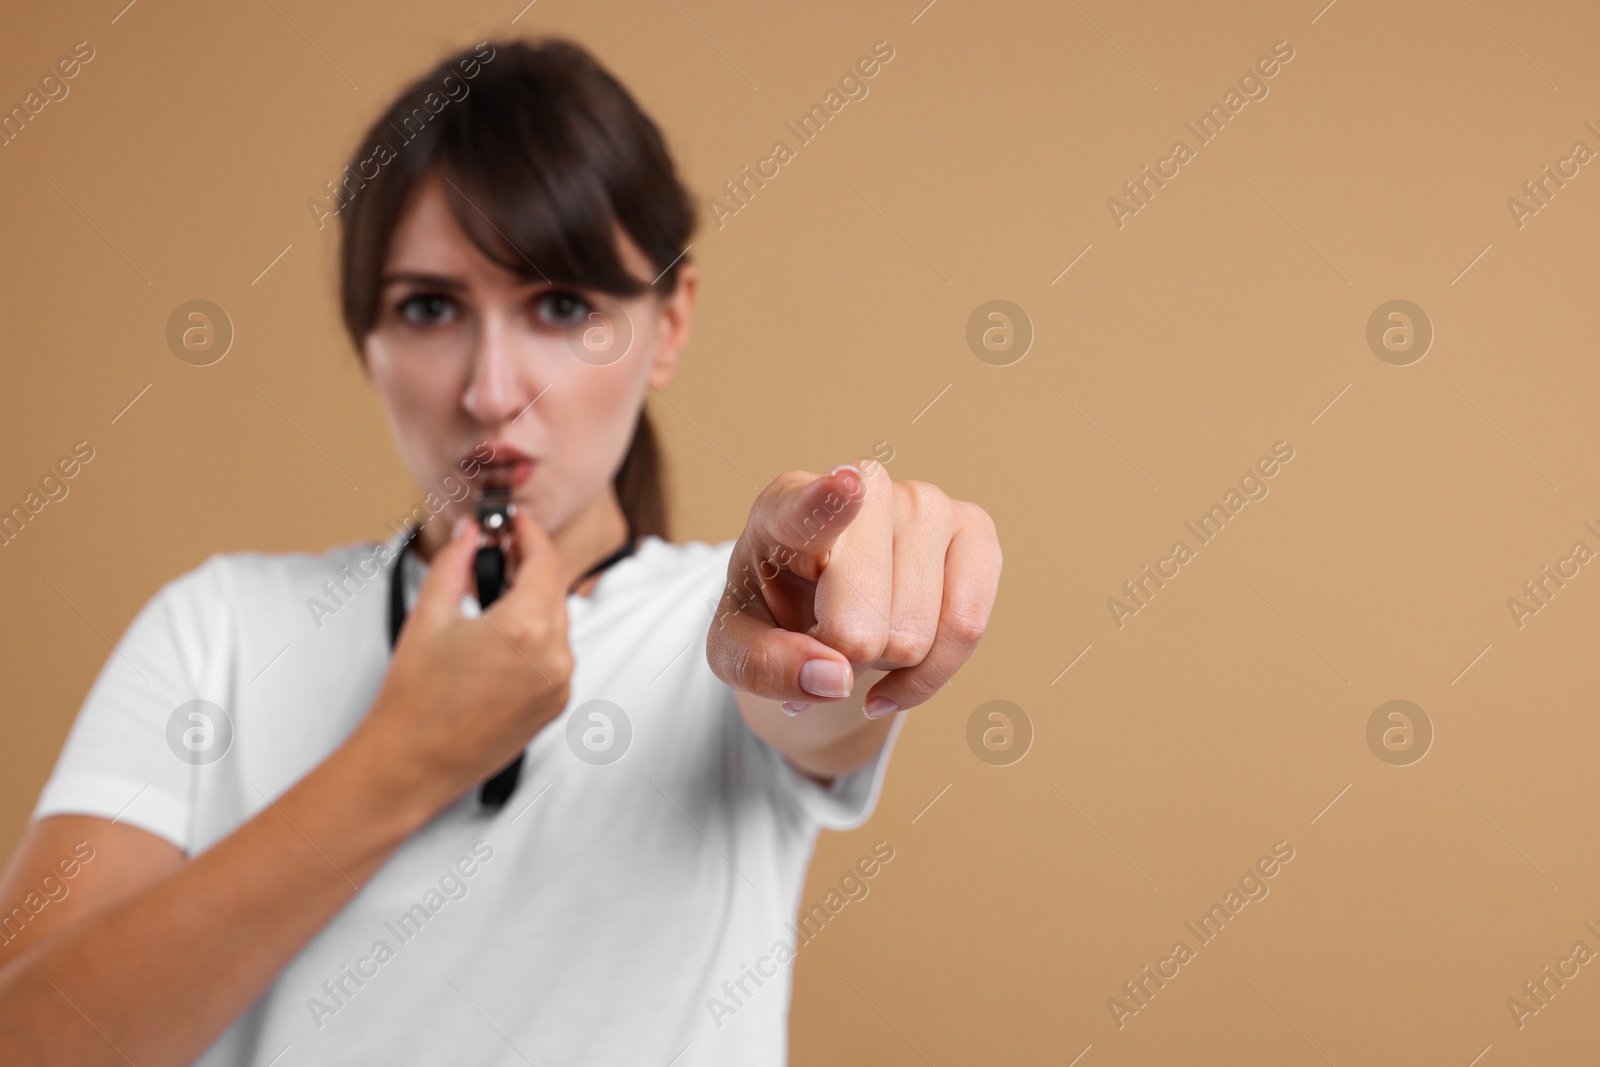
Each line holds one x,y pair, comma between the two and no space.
589,536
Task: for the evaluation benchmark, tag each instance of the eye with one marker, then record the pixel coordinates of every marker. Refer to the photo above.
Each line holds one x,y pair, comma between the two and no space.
426,309
559,307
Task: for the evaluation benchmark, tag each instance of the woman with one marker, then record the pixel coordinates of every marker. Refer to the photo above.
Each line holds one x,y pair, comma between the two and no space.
265,840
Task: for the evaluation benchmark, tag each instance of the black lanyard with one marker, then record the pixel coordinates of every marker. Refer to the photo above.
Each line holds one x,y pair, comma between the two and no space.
497,789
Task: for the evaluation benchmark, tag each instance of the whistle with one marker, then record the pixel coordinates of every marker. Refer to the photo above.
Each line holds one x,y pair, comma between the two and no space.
491,567
495,508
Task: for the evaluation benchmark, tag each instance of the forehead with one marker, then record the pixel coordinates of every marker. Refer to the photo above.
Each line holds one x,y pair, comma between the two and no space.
428,239
428,236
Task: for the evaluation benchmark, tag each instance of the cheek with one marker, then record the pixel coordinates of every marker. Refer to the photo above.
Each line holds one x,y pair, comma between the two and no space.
607,399
416,379
588,436
596,424
419,398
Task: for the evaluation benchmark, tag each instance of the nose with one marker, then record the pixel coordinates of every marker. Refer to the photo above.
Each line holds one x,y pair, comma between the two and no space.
497,390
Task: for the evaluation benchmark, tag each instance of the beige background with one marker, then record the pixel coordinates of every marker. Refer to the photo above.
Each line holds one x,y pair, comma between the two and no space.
1222,318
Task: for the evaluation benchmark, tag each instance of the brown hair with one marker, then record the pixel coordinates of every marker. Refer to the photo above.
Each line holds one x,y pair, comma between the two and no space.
545,154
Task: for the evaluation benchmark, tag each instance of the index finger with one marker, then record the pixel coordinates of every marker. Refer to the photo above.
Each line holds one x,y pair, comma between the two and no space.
537,583
439,600
796,521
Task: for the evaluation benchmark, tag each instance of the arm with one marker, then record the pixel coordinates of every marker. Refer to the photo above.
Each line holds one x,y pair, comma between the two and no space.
148,957
850,598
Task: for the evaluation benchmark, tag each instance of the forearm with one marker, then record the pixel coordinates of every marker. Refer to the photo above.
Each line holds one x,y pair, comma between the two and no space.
826,740
155,978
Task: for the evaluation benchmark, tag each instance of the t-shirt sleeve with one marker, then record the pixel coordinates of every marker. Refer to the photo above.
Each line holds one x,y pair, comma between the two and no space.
847,802
117,761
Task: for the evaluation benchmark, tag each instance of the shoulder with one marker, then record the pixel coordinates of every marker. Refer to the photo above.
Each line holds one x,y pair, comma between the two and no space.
248,569
265,585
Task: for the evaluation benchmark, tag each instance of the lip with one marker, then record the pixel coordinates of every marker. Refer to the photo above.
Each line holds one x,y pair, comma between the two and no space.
507,459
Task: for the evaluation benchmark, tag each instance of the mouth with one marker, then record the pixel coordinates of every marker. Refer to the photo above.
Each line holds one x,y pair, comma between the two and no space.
507,468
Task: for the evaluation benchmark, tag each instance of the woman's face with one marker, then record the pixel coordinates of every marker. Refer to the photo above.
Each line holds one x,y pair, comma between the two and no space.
472,361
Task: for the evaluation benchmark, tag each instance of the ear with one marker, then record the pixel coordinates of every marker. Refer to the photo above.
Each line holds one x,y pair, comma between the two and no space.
677,316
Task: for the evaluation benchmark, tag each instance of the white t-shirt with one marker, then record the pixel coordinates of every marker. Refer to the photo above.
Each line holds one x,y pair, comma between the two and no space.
591,921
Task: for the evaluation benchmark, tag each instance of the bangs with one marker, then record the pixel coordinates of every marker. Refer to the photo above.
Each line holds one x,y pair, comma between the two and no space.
544,157
533,190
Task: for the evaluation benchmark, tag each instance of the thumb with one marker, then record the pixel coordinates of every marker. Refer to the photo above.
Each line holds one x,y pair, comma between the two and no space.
540,580
449,578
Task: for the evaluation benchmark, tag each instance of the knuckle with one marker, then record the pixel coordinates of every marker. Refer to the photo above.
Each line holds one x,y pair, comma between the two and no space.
557,688
858,638
966,623
752,665
924,499
514,630
561,663
921,686
908,647
783,485
912,495
527,632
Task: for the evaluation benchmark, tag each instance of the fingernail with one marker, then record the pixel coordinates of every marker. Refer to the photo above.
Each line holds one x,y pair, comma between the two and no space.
878,707
851,482
825,678
461,524
793,707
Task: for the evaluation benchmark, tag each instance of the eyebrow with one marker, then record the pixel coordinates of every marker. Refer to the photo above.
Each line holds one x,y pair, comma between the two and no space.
437,281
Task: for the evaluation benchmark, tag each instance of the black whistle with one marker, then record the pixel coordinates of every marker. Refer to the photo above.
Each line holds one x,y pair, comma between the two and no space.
495,509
